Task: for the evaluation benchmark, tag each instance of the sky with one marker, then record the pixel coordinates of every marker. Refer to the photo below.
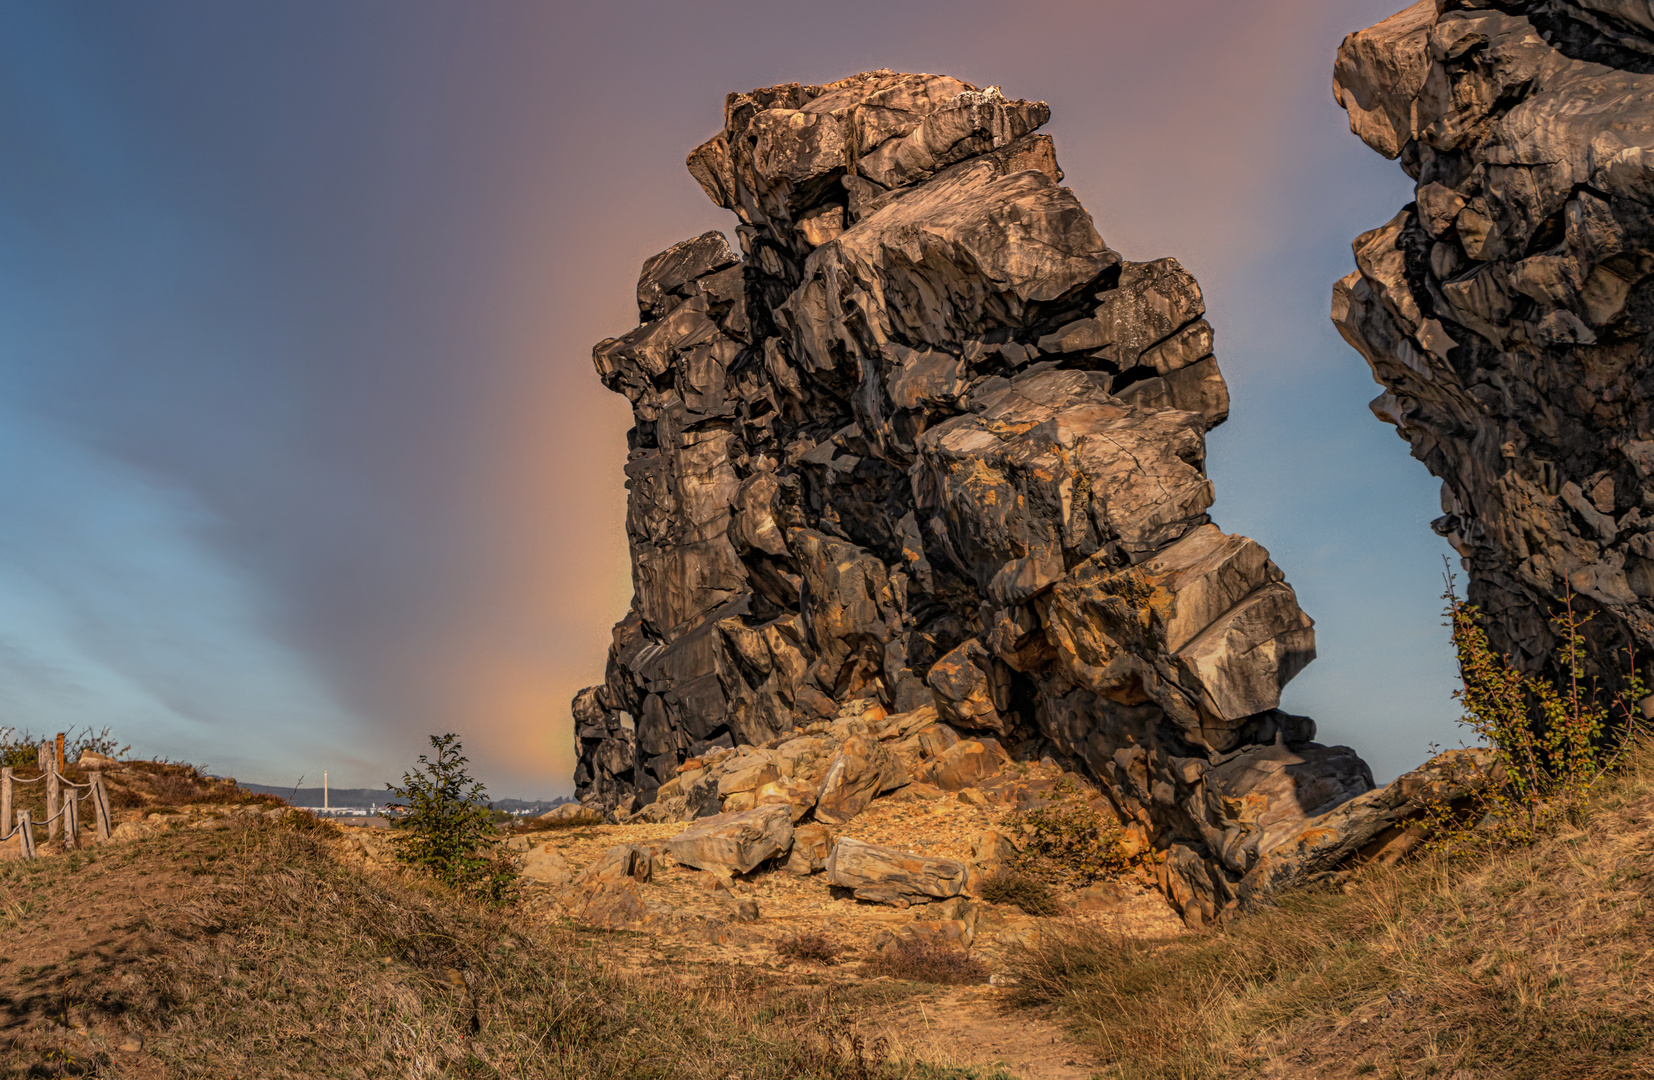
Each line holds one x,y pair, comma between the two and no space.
302,457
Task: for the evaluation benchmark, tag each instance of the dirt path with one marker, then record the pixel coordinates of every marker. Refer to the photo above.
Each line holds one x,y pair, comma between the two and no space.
969,1026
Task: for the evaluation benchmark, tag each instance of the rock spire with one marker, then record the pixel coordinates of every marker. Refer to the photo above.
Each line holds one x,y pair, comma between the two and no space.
928,441
1507,310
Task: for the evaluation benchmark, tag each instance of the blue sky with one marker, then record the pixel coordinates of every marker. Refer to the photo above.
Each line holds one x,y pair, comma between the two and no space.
304,458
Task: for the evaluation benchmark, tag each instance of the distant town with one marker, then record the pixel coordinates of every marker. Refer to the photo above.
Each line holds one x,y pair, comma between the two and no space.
357,802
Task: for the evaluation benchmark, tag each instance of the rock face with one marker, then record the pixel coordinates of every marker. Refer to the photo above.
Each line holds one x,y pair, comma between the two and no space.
1507,311
928,442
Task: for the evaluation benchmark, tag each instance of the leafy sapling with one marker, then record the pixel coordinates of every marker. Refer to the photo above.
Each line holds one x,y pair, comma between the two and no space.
446,828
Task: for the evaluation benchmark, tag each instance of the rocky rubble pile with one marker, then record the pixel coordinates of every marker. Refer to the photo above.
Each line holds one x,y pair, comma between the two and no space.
927,443
1507,310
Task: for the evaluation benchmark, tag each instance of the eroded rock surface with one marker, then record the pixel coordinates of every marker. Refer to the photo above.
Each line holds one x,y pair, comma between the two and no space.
1507,311
928,442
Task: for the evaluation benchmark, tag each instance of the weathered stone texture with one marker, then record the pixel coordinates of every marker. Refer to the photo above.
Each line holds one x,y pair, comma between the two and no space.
929,442
1507,311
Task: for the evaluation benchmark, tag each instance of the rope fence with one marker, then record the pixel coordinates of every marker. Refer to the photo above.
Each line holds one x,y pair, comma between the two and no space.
62,819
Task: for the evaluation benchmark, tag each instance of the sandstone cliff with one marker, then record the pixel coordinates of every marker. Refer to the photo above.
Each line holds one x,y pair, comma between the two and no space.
927,440
1507,311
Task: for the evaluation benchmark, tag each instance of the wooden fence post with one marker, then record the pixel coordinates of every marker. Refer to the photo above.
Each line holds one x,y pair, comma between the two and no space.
100,806
43,756
71,822
5,797
25,834
61,764
54,801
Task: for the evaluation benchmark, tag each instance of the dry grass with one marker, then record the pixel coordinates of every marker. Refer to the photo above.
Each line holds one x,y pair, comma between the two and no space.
255,952
1027,892
1523,962
928,962
810,947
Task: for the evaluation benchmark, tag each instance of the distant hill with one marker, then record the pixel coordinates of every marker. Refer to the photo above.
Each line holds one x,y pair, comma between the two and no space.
353,798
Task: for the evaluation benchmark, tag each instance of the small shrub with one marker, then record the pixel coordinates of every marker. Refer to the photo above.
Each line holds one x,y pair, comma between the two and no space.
810,947
19,750
1029,893
446,828
929,962
1067,841
1548,738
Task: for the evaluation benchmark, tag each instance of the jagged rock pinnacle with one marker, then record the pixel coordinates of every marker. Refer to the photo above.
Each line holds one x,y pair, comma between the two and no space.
928,440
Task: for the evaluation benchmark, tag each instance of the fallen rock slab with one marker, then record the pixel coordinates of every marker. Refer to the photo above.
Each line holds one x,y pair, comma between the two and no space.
737,842
1334,839
888,875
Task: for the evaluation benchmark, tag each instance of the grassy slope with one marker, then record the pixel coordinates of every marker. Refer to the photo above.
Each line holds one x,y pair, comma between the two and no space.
254,952
1527,962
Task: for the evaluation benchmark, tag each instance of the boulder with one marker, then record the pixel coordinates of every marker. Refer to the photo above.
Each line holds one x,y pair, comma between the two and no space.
962,765
545,864
971,687
612,906
861,770
811,846
737,842
889,875
798,795
623,862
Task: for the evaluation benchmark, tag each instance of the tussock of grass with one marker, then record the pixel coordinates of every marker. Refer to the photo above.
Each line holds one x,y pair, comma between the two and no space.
286,962
928,962
1535,961
810,947
1027,892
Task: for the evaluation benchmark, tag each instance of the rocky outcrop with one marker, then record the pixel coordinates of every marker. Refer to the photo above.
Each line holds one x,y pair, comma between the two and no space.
1507,310
928,443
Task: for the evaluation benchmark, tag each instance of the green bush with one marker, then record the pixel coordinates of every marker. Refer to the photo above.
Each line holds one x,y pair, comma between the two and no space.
1066,841
1550,739
445,827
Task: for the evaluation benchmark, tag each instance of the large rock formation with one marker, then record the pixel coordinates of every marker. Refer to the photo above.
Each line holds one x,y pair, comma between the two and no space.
929,441
1507,311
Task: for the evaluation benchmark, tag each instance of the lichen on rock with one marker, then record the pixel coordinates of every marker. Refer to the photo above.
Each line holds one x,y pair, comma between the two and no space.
928,442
